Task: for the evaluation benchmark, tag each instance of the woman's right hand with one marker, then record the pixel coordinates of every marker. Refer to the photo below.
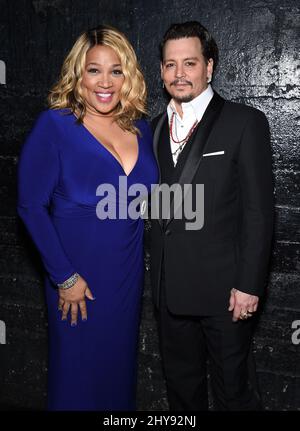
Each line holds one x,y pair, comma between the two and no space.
74,297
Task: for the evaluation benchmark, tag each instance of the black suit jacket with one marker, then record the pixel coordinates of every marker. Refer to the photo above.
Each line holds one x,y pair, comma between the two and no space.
232,249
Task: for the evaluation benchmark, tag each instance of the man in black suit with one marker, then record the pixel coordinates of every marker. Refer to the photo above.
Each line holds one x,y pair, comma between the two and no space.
207,279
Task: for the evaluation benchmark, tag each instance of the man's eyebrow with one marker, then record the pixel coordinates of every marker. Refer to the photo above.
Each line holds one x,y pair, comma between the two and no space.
185,59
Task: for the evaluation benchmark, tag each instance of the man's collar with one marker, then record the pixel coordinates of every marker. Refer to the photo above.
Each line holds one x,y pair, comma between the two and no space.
198,104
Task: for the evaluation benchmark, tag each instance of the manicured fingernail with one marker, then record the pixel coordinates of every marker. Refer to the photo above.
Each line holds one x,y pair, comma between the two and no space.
63,319
73,324
84,319
94,297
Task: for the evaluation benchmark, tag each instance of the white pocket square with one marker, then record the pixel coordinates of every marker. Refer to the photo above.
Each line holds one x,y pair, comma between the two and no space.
216,153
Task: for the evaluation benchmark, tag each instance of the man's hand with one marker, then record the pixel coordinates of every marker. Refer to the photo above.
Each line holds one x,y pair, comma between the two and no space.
242,304
74,297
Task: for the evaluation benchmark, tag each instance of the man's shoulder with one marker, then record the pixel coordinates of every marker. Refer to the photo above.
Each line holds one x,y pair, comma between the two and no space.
242,111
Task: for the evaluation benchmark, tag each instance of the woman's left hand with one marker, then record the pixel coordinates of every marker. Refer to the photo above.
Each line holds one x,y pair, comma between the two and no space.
73,298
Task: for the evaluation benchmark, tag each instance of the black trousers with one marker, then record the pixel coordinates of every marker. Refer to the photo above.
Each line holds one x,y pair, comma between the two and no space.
186,342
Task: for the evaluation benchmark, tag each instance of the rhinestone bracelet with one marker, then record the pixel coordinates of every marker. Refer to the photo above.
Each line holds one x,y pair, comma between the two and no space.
69,282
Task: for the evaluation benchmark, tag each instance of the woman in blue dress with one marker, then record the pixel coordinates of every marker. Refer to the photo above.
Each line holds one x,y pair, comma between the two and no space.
91,139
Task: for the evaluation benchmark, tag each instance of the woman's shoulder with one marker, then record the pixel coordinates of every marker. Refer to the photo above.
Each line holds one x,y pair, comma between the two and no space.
48,116
49,123
61,115
144,127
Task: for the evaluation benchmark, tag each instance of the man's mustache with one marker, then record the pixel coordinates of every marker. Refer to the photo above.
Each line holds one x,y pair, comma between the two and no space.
180,81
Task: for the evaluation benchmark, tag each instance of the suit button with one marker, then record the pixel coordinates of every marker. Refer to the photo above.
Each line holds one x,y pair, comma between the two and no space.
168,232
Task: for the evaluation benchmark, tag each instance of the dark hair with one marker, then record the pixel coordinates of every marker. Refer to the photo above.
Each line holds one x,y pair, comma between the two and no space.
193,29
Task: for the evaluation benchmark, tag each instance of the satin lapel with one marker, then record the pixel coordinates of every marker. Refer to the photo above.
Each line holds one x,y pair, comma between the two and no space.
156,137
198,144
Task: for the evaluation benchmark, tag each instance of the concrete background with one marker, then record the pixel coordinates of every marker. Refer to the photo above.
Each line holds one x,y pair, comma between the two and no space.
259,66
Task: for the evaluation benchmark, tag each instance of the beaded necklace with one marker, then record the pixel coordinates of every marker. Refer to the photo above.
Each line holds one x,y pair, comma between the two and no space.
184,140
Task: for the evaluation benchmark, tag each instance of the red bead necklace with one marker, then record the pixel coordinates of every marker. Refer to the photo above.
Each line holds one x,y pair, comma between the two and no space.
184,140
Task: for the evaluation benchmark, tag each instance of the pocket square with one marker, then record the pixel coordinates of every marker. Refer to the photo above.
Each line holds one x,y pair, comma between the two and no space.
216,153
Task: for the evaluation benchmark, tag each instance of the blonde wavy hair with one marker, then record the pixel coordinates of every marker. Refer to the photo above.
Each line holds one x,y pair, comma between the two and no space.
67,92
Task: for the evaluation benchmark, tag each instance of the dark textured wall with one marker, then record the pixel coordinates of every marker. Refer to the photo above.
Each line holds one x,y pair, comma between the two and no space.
259,65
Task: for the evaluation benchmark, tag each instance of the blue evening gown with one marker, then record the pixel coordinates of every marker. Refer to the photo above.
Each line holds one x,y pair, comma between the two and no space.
91,366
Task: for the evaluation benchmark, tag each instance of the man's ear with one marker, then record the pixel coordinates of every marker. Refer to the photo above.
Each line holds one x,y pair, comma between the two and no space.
161,70
210,68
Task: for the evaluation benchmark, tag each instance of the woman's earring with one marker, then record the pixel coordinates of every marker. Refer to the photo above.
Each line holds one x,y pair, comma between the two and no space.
163,85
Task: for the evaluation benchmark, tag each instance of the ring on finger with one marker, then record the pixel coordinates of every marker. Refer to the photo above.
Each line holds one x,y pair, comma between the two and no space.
245,314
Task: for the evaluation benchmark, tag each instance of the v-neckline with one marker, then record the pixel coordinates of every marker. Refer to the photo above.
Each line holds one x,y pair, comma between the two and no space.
110,153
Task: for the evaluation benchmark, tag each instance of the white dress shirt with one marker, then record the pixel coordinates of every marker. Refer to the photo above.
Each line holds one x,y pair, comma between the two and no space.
192,111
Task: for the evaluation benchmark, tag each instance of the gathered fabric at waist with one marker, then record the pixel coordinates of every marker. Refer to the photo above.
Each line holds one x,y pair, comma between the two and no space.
63,208
101,208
